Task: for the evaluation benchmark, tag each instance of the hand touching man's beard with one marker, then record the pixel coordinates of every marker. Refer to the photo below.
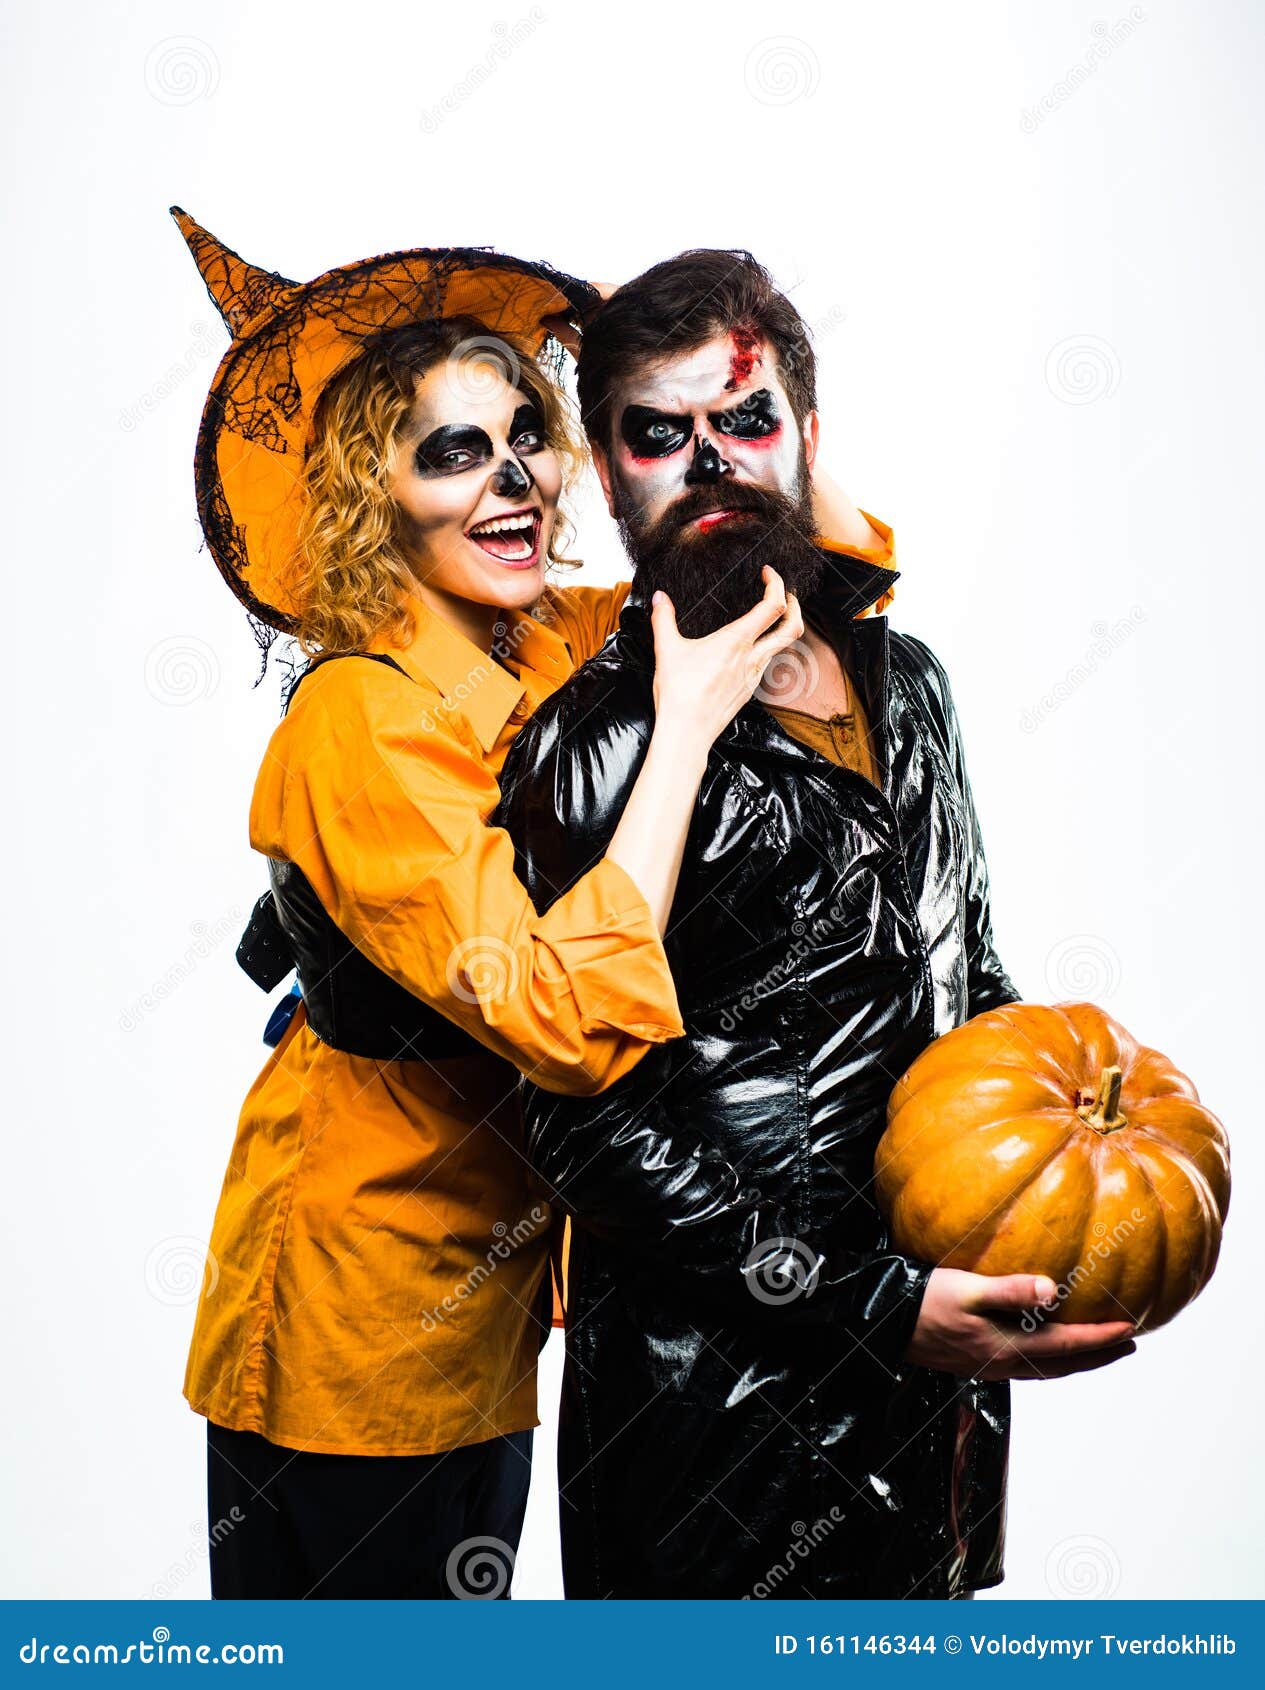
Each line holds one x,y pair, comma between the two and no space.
712,575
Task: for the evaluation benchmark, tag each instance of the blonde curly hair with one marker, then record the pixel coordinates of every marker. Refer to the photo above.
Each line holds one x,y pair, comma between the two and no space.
351,574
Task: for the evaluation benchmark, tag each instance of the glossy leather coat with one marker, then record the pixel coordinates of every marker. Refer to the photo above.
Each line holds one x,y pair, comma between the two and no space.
737,1419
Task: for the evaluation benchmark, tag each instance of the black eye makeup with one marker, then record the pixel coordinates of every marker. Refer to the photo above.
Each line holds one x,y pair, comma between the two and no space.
653,434
452,449
527,430
753,419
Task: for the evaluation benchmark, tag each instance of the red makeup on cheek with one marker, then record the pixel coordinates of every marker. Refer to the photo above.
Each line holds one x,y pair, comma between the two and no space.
743,358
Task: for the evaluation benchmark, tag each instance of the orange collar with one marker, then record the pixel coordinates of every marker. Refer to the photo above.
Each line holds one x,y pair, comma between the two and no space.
474,683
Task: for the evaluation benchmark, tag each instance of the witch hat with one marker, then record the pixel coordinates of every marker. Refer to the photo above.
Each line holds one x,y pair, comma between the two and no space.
288,339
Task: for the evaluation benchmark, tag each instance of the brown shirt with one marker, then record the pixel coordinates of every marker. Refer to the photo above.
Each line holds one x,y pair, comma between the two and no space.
843,738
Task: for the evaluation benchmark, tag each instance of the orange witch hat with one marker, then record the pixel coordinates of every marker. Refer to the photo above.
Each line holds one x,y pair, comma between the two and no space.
288,340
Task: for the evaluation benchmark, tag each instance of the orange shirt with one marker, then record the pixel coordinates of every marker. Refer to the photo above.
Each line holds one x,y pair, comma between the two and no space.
380,1239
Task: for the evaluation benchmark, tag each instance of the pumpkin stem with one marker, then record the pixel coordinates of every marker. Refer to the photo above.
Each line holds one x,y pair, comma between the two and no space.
1100,1109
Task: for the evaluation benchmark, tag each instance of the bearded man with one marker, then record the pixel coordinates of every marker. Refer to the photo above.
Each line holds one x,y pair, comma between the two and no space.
762,1396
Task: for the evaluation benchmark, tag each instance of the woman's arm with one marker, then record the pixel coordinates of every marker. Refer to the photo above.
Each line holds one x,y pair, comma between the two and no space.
386,814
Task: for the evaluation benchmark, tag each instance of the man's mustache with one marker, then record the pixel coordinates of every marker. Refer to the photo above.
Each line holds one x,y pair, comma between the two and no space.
722,496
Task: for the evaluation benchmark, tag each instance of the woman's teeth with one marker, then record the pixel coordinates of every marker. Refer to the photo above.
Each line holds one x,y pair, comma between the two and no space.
509,538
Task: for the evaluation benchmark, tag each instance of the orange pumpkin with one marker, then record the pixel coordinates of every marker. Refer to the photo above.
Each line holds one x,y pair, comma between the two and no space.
1041,1139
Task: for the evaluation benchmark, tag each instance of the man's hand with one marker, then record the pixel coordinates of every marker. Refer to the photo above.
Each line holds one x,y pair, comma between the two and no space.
969,1324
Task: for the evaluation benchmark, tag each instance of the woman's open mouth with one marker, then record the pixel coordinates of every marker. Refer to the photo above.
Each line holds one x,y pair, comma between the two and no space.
513,540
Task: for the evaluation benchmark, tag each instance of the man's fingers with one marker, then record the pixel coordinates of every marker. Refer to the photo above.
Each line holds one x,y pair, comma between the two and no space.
996,1292
1060,1366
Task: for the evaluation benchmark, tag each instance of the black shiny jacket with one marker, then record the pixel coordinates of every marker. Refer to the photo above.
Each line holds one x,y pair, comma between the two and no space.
736,1417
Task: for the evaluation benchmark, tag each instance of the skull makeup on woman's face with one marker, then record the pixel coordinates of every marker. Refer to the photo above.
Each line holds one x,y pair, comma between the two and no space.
477,485
712,418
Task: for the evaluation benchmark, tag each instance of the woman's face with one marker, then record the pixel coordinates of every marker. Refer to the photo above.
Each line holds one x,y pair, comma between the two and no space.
477,485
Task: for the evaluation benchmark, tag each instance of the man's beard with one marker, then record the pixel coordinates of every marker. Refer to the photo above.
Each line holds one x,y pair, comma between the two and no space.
713,575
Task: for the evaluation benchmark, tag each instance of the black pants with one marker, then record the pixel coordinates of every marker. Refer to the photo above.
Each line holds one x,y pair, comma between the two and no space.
289,1523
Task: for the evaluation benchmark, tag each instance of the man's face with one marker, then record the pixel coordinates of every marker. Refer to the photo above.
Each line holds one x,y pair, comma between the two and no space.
707,475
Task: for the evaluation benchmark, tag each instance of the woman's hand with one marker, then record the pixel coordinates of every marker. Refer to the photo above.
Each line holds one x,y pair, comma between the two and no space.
563,329
972,1324
700,685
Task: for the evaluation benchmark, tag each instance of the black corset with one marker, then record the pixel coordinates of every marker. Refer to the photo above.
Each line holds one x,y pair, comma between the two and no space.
351,1004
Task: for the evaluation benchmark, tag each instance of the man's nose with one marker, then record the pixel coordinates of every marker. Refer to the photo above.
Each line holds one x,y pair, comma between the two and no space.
707,464
511,480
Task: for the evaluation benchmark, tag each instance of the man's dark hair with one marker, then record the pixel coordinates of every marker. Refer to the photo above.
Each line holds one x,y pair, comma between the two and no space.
675,307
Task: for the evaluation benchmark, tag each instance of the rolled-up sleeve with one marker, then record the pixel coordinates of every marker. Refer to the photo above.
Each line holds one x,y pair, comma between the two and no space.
384,808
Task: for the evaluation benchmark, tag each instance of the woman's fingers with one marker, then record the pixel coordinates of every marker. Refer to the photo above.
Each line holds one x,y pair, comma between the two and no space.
767,611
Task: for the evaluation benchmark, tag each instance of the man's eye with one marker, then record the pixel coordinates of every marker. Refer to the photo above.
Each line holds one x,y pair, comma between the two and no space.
753,418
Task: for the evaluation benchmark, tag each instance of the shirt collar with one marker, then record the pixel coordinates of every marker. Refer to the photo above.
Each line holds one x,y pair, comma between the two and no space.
474,683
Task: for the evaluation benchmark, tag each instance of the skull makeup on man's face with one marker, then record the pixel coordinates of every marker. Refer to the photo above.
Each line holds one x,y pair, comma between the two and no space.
709,479
716,415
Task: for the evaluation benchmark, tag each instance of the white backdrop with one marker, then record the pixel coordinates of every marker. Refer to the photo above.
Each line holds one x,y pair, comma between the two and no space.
1029,240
